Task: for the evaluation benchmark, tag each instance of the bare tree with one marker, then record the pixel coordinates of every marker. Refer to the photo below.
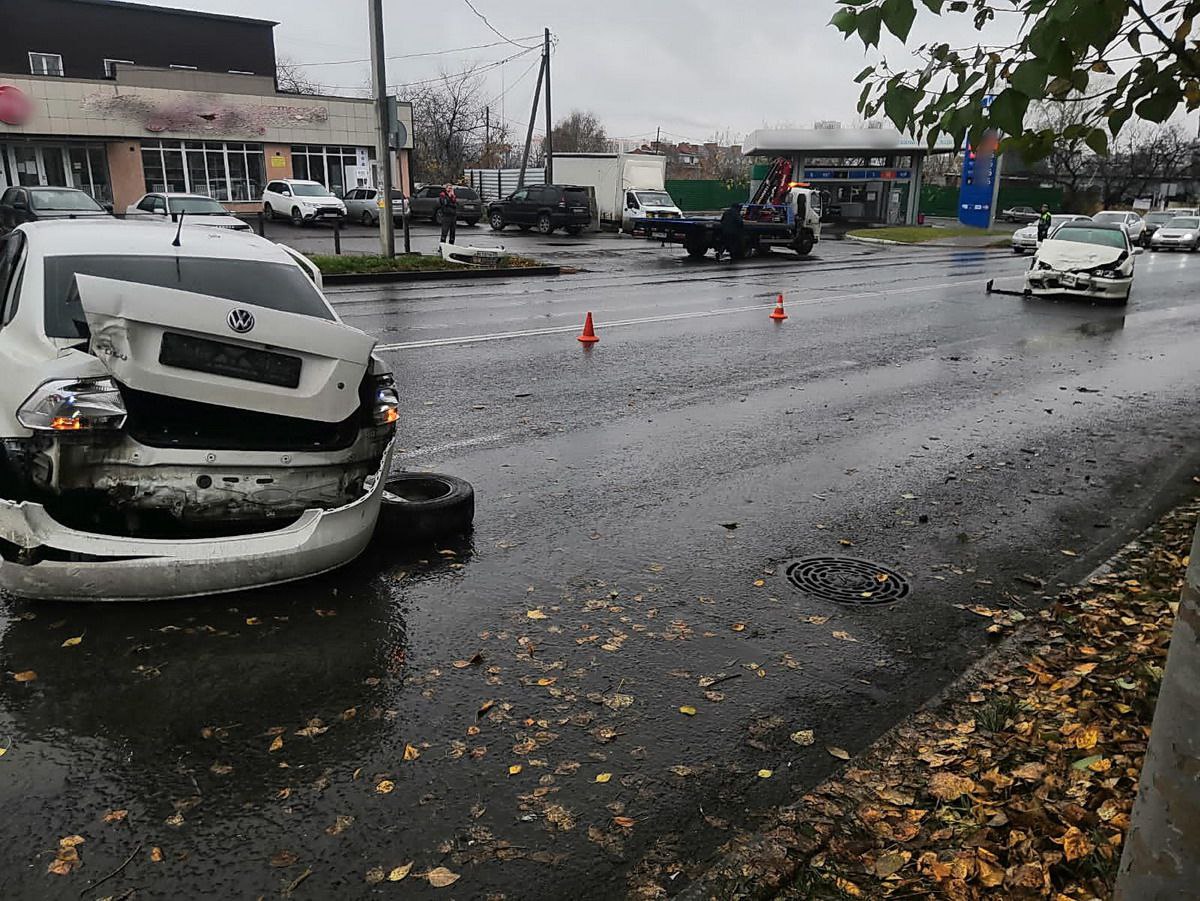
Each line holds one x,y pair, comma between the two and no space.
580,132
290,78
723,160
448,125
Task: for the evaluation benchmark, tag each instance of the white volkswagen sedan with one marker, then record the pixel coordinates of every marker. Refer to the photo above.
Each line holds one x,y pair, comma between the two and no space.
1084,259
1026,239
196,209
177,421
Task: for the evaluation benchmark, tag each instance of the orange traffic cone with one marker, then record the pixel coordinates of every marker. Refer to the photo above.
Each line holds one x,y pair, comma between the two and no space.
777,314
589,332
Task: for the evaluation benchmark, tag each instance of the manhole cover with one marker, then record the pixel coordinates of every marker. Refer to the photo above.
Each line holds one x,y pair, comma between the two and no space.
847,580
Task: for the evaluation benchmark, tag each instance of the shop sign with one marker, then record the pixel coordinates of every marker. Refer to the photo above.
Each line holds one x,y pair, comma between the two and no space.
15,108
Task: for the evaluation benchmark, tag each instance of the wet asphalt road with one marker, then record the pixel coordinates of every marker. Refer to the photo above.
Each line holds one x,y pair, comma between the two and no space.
899,415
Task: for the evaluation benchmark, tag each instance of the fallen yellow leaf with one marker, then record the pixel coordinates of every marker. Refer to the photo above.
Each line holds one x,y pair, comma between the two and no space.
514,769
687,710
738,627
71,642
411,753
844,636
547,680
839,753
440,877
1068,553
253,621
1074,844
115,816
25,676
276,744
385,787
948,787
535,614
759,583
1085,668
399,873
765,774
603,777
156,854
624,822
804,737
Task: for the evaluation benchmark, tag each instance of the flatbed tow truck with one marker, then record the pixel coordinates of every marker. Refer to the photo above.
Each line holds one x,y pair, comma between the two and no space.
782,213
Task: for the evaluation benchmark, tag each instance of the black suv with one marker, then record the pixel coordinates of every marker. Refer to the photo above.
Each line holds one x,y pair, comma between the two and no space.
424,203
545,207
33,204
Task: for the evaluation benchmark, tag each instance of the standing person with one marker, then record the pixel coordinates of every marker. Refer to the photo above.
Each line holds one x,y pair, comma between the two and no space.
448,209
1044,224
731,232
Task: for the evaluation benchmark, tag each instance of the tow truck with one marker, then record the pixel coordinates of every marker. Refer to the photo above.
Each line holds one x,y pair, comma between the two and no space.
782,213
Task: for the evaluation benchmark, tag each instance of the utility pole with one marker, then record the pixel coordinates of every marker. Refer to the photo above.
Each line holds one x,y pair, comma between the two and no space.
383,151
658,140
537,93
487,137
549,132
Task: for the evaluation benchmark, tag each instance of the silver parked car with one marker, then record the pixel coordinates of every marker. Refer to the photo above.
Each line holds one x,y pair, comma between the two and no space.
365,204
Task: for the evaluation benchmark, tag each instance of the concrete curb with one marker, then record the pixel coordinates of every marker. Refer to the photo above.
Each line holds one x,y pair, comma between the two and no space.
437,275
932,245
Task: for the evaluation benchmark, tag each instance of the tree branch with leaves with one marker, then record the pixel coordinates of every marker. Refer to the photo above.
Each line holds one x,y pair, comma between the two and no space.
1150,49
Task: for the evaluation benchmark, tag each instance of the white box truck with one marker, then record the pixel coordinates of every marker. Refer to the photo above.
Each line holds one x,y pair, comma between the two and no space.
628,186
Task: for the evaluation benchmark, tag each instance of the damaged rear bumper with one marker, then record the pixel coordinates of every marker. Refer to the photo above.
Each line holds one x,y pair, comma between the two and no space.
68,564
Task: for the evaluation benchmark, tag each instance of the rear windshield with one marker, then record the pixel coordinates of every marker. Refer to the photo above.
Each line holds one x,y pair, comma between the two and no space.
466,194
197,206
1159,218
277,286
575,195
1105,237
1110,217
63,200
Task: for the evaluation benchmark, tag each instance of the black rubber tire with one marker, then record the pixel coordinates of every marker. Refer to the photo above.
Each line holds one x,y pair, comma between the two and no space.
496,221
696,249
268,213
423,506
804,244
297,217
544,225
367,219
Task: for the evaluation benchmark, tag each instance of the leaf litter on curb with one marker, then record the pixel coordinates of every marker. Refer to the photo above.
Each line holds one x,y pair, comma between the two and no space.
1019,784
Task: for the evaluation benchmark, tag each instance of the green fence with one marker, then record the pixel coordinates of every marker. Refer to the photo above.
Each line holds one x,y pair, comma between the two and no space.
942,201
706,194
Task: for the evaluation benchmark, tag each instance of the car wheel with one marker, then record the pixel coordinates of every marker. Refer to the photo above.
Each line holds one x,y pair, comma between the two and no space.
496,221
297,217
422,506
574,229
367,219
696,247
544,225
268,212
804,244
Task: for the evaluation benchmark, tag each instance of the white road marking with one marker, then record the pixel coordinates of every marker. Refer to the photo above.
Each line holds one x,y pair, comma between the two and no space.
671,317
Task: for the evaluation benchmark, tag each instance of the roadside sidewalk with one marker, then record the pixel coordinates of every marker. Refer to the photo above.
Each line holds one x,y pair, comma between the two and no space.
1017,783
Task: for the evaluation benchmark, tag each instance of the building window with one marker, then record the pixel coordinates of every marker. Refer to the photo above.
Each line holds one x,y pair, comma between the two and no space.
110,66
45,64
231,173
326,165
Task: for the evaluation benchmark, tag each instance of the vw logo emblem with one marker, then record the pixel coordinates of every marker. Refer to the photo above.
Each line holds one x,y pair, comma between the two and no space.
241,321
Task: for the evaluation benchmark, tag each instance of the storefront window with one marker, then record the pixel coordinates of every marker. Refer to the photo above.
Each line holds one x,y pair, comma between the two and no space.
326,165
225,172
61,165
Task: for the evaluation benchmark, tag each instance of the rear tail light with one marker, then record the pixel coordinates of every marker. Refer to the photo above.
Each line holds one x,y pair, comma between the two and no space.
73,405
385,401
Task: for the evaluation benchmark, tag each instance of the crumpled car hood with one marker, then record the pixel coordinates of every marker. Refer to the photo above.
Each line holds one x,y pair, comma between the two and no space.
1068,255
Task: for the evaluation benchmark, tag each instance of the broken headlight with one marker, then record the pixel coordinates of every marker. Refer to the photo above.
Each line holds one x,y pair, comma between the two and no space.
73,405
1107,273
385,401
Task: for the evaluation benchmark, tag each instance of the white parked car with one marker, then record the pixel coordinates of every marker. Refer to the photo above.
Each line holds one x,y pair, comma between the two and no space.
301,201
1027,238
196,209
1179,233
177,421
1084,259
1130,221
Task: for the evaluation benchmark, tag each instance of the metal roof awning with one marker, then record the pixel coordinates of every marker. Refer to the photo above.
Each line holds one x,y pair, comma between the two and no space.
836,141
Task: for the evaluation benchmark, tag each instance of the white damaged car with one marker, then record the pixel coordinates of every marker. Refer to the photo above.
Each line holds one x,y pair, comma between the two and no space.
179,420
1084,259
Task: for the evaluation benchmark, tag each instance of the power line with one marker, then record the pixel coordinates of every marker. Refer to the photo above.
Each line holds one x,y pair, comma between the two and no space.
476,71
492,28
346,62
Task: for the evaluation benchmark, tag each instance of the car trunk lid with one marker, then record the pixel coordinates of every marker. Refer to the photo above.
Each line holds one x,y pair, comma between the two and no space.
202,348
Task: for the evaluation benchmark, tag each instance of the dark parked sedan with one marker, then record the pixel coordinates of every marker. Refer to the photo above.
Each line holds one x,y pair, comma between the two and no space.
424,204
545,207
33,204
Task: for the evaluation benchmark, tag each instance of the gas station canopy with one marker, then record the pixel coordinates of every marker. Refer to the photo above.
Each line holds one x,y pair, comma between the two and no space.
824,142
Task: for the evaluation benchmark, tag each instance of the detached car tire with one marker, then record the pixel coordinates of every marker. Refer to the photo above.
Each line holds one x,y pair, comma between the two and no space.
422,506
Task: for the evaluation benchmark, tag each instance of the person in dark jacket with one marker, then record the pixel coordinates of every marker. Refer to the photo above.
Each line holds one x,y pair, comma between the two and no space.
1044,224
731,232
448,209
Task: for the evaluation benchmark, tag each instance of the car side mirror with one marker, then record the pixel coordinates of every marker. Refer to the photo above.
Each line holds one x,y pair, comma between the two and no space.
20,205
1138,251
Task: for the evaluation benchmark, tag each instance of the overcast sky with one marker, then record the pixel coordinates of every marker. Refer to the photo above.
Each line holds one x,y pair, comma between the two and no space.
692,67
